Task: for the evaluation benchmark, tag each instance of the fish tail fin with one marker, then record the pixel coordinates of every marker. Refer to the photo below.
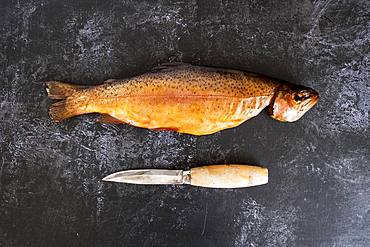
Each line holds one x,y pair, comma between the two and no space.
62,90
70,103
60,111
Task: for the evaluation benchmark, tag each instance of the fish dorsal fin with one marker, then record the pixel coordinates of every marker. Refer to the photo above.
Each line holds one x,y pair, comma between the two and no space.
165,67
112,80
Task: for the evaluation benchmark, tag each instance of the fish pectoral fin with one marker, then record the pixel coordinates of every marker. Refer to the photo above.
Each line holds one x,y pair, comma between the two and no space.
105,118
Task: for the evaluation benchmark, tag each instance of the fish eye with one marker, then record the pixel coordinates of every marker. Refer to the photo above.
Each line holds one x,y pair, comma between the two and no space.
297,98
301,96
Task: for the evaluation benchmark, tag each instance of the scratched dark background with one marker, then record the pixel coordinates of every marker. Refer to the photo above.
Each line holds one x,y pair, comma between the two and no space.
51,192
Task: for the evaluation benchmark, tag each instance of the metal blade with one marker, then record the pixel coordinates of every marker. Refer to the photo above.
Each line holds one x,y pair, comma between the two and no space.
150,176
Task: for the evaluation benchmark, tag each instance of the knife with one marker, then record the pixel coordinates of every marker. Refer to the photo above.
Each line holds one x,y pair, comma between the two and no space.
213,176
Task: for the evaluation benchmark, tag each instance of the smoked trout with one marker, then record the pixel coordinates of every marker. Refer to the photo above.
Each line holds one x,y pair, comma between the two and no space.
184,98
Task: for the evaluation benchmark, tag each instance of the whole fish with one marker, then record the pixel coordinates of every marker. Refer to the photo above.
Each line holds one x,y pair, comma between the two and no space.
183,98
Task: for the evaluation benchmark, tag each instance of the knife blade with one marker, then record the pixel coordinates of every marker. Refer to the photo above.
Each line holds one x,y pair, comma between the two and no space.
212,176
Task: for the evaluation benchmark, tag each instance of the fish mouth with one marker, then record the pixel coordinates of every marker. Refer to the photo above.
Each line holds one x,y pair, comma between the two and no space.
310,103
306,105
314,99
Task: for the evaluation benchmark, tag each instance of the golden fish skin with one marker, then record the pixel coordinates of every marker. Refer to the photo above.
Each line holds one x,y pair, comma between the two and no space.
180,97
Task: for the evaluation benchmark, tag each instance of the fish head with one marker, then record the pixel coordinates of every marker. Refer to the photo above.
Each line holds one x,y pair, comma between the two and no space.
291,102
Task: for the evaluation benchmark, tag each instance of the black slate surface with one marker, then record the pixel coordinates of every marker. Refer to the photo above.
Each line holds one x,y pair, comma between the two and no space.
51,192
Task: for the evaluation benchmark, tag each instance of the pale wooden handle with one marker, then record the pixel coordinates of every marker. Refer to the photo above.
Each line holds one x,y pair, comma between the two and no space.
228,176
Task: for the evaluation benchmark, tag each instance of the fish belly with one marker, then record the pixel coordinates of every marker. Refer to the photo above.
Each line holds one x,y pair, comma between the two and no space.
196,115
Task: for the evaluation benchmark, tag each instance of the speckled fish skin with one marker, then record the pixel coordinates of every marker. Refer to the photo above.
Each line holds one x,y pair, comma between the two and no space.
181,97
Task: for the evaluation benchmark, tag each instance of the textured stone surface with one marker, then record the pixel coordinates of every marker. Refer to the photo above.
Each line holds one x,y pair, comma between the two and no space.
50,188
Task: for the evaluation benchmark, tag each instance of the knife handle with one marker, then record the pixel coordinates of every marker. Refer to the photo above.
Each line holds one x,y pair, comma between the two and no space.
228,176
